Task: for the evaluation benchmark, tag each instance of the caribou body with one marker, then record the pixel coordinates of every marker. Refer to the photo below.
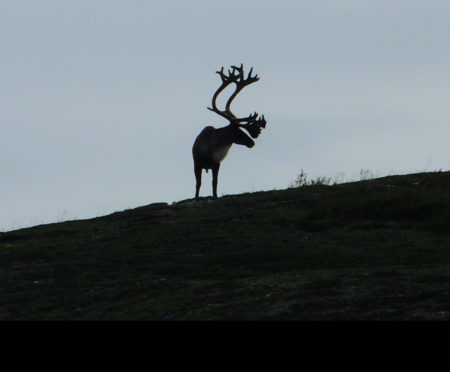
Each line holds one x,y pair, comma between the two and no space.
212,145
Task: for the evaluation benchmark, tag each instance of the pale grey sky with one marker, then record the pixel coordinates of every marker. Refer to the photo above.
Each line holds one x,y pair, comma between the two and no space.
101,101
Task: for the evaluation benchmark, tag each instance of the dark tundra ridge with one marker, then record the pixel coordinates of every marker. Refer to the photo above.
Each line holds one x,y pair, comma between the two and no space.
370,250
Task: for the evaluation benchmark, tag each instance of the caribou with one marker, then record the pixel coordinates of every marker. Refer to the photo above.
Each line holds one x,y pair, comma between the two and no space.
212,144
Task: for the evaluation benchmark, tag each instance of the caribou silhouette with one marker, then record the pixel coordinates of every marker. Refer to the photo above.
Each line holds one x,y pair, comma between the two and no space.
212,145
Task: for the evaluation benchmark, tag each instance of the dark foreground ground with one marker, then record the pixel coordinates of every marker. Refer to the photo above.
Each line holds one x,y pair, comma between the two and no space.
369,250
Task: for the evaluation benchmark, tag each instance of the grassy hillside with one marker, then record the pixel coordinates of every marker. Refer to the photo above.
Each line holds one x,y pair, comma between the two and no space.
375,249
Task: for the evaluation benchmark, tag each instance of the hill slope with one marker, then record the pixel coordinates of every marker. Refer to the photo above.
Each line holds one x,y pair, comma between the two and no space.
376,249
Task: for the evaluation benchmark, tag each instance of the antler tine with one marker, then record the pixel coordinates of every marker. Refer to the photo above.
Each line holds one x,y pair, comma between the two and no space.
240,71
222,75
250,74
263,122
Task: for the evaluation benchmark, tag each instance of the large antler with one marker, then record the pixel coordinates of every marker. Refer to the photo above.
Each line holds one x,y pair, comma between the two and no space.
236,75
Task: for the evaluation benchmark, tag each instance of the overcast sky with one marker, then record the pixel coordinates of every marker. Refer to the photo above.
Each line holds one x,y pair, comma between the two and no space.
101,101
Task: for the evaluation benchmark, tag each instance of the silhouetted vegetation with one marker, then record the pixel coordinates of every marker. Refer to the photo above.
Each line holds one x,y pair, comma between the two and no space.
373,249
303,180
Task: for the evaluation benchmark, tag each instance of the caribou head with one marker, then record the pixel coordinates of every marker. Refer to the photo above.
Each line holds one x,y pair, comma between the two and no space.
212,145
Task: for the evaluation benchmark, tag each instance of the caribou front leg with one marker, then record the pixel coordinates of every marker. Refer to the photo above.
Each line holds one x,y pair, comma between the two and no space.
198,178
215,175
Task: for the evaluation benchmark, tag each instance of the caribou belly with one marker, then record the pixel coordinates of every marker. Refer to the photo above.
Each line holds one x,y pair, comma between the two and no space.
219,154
